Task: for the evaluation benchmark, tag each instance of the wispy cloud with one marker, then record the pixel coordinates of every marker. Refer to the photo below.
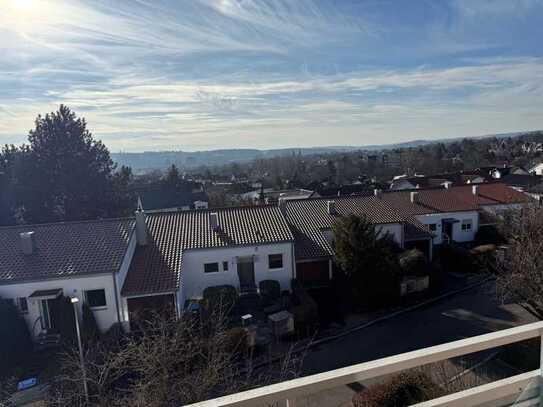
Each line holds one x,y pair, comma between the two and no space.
241,73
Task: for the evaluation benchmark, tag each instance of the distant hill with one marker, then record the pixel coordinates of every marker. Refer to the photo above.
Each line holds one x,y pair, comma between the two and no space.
159,160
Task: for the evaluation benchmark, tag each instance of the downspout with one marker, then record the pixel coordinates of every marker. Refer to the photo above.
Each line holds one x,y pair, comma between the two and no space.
116,298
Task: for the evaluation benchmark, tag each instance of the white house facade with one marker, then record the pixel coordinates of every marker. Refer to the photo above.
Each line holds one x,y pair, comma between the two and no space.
241,266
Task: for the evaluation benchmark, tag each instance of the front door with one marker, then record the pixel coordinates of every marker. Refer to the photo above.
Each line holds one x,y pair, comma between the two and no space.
447,229
246,274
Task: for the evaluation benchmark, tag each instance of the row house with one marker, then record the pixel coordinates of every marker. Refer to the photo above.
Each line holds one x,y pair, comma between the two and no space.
120,267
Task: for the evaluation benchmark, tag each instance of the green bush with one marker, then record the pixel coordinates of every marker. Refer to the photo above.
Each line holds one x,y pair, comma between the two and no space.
399,391
270,291
15,341
413,263
220,296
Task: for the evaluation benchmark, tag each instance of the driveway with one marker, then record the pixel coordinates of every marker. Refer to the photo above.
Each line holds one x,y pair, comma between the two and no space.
471,313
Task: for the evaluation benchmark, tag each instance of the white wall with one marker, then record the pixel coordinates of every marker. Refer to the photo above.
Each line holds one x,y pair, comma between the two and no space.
71,287
194,280
120,277
458,234
395,229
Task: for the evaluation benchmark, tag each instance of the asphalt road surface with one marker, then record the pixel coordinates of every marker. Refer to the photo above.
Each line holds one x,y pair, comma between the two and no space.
471,313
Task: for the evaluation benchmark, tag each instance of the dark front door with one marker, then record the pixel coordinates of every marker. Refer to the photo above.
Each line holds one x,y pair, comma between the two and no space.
246,274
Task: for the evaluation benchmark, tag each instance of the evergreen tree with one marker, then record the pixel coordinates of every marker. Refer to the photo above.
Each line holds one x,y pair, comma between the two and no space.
69,173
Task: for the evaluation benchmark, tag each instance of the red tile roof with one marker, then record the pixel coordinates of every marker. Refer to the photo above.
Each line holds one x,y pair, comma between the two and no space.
454,199
64,249
156,267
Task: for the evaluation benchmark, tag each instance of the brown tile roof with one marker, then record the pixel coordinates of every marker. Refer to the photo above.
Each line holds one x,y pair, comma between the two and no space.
495,193
454,199
156,267
432,201
309,217
64,249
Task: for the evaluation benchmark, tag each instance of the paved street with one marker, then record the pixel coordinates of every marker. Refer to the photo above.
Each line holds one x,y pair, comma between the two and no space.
468,314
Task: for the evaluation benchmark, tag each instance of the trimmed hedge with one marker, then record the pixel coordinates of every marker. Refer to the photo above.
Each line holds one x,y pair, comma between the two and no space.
399,391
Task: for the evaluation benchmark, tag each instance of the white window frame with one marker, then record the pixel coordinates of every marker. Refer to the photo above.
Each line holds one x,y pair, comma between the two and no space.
97,307
212,272
467,225
282,261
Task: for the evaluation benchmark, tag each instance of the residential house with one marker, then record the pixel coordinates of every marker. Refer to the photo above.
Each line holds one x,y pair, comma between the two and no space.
537,169
449,217
41,263
187,251
311,222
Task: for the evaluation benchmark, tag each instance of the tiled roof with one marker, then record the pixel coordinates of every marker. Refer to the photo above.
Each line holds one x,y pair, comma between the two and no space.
454,199
64,249
432,201
156,267
308,219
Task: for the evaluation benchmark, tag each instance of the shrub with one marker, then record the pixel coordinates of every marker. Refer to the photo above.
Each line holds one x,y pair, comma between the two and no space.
399,391
223,296
305,310
89,327
489,235
456,260
15,341
67,321
236,340
270,291
413,263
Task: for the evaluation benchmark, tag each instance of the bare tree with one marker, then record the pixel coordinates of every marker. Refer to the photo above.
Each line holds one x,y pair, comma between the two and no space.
169,362
520,269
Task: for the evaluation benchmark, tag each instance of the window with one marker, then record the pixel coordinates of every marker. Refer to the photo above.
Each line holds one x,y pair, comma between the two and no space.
433,227
224,266
275,261
211,268
466,225
95,298
23,305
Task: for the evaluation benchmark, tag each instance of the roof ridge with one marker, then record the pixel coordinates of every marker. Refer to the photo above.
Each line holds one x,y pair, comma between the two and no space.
219,208
70,222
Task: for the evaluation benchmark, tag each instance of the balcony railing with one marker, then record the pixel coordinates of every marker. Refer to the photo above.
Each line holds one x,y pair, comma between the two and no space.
522,389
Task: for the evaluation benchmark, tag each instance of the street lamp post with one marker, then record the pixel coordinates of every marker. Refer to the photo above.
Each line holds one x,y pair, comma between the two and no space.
74,301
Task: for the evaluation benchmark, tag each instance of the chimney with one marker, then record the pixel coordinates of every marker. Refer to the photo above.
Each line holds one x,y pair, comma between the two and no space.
475,190
378,193
414,197
282,203
141,226
214,220
331,206
27,242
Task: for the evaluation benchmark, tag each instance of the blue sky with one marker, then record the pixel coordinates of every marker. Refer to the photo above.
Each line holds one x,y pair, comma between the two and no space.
195,75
